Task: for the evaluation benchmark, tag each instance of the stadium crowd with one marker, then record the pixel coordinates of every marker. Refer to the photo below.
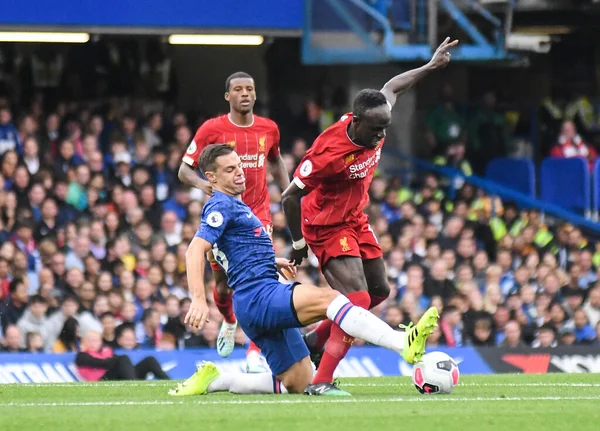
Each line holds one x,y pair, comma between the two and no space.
94,225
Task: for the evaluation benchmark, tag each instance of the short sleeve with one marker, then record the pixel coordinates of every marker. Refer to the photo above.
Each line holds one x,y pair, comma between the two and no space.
214,221
274,150
200,142
312,170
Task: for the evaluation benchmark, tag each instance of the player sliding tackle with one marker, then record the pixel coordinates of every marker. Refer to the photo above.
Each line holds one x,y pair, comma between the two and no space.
334,178
268,311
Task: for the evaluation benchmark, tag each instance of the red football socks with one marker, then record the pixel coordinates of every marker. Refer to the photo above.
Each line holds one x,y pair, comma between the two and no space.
321,333
338,343
225,305
252,348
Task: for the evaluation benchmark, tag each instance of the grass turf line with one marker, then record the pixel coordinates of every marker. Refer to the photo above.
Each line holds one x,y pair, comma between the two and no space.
529,402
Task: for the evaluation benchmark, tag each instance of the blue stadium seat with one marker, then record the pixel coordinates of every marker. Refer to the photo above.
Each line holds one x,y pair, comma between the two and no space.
566,182
516,174
596,188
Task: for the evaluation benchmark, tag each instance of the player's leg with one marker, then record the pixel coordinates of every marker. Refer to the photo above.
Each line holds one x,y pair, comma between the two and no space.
150,365
373,265
312,304
285,352
222,296
339,256
346,275
375,274
379,290
122,369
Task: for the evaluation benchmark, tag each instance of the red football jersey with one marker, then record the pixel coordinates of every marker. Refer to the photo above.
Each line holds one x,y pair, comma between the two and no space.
338,174
254,143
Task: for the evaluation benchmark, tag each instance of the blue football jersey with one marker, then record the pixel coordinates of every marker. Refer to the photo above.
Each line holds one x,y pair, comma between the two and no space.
240,243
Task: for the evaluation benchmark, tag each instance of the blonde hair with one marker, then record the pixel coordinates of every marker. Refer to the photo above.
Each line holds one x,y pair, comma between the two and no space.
488,303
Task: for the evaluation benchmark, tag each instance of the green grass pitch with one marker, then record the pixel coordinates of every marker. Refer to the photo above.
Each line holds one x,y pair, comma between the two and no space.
503,402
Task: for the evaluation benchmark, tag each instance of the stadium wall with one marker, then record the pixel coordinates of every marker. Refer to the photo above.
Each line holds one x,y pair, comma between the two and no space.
360,362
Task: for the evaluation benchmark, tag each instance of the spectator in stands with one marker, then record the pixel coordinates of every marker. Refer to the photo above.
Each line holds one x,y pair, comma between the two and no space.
69,339
97,362
12,340
454,157
488,134
483,335
570,145
546,336
126,337
108,329
584,332
451,327
16,303
445,125
592,306
34,342
512,336
148,331
9,136
34,318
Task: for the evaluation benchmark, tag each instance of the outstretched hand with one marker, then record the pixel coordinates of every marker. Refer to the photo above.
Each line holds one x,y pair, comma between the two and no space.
286,268
197,315
298,255
441,56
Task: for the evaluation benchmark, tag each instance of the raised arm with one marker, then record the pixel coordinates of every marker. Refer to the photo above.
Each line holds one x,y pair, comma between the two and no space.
290,201
195,264
280,173
399,84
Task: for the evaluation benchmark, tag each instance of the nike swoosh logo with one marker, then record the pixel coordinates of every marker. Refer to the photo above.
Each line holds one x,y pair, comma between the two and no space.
249,215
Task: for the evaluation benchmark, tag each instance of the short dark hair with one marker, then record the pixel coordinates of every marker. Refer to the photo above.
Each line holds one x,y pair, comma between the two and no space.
367,99
12,288
209,156
235,76
38,299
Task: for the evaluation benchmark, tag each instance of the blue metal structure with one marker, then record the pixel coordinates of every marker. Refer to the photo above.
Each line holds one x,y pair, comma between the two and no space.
183,15
516,174
495,189
566,182
363,17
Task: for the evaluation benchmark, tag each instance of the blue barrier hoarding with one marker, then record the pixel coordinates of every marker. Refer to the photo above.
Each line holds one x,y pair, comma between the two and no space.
360,362
193,14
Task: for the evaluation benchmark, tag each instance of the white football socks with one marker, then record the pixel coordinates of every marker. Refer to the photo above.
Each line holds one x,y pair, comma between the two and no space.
360,323
239,383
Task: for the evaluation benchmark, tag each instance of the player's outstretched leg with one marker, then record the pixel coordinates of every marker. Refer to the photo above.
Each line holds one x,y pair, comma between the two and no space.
317,338
208,379
311,303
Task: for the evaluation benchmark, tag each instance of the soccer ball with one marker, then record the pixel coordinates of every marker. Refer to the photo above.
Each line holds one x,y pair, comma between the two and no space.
436,373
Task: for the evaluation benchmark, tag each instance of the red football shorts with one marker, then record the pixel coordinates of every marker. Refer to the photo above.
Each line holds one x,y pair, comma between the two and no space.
211,258
355,239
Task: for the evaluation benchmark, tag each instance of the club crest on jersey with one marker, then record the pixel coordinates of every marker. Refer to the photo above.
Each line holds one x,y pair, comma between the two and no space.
192,148
344,244
214,219
349,159
306,168
231,144
261,144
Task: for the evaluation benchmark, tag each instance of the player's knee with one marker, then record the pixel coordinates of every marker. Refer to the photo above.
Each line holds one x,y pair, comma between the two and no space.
381,288
324,296
222,288
296,382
